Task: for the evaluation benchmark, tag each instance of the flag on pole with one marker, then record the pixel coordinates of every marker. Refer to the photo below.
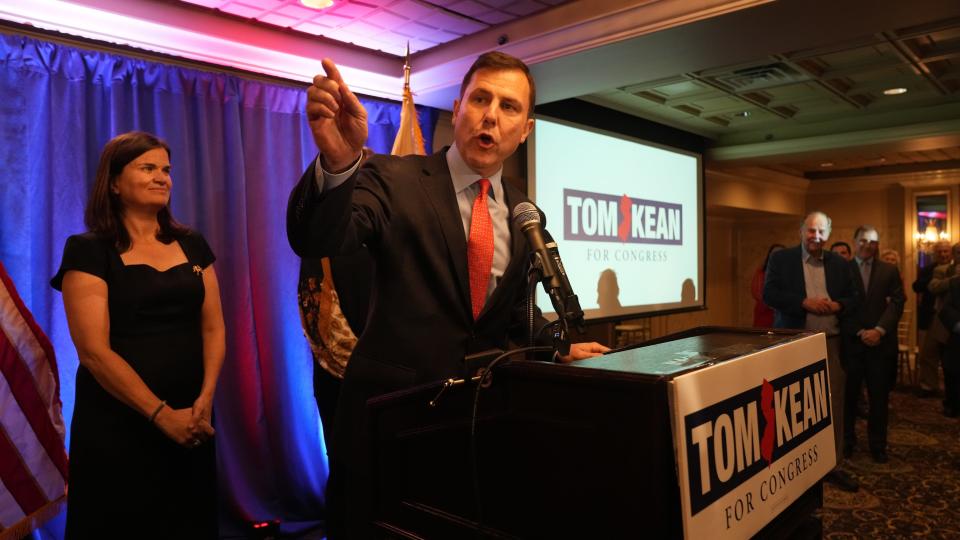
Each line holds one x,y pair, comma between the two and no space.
33,460
409,137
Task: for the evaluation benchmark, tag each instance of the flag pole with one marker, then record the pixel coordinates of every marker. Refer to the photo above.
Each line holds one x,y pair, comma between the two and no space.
409,139
406,69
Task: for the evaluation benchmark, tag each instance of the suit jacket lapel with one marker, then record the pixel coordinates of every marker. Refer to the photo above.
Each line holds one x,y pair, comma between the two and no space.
802,276
519,257
858,277
438,185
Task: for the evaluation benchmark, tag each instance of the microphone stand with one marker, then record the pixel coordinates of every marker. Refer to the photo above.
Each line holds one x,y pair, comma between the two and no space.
533,279
483,380
560,327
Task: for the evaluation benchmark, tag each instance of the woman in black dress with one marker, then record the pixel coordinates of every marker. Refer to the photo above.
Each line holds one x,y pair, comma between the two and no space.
143,306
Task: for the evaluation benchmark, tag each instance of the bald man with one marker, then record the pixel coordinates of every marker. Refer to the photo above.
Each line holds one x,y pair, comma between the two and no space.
810,288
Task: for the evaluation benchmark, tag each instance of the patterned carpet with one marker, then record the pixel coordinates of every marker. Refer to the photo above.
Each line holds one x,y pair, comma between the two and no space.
917,493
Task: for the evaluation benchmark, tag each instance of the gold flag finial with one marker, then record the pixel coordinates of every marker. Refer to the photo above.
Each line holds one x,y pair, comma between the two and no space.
409,139
406,68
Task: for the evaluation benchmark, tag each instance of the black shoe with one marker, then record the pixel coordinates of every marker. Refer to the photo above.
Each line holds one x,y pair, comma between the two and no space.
880,456
843,480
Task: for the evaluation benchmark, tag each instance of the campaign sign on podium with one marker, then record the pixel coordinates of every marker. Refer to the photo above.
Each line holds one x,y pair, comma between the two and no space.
751,436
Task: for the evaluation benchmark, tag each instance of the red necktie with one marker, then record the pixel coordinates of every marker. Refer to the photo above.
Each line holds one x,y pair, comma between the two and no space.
480,248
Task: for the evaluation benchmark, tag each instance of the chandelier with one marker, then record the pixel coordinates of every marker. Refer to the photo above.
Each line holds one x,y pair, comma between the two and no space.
930,236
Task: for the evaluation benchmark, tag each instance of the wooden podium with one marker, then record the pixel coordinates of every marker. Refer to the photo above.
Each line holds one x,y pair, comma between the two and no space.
586,450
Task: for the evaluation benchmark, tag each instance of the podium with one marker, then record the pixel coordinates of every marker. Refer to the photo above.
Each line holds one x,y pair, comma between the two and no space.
692,435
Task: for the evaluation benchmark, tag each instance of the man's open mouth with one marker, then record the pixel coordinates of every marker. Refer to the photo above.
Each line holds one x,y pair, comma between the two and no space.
486,140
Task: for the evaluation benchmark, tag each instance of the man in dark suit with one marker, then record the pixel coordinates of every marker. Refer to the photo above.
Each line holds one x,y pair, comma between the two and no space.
950,317
810,288
870,341
842,249
928,360
450,264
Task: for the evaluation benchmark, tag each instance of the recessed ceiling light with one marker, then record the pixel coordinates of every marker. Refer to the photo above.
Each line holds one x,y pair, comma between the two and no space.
317,4
895,91
742,114
827,164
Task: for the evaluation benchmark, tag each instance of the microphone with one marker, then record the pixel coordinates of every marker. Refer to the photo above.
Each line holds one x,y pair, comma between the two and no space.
572,311
554,278
554,253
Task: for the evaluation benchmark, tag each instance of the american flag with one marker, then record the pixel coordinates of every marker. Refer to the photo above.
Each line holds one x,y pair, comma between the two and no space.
33,460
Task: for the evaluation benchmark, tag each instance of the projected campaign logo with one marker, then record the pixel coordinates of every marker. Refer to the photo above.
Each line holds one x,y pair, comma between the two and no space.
626,215
603,217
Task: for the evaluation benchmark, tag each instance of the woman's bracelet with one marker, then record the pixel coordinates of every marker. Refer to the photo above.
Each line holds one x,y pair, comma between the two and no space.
157,411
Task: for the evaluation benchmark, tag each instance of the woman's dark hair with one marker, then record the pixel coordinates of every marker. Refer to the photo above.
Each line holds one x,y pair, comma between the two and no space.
104,213
770,251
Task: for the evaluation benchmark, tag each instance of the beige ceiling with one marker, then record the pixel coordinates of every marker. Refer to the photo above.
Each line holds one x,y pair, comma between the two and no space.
824,90
796,86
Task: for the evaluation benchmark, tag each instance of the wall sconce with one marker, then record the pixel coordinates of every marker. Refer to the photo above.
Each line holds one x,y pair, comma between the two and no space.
930,236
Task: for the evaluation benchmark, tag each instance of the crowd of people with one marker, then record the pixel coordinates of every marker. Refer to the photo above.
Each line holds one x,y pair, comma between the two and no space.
937,326
855,295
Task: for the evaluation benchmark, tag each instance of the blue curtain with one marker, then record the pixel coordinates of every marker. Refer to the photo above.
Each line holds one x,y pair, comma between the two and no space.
238,147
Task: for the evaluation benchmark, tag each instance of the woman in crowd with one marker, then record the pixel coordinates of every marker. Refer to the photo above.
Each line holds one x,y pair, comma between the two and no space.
762,313
892,256
143,307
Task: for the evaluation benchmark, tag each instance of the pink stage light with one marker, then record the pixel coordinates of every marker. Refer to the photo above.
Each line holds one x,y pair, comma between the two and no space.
137,26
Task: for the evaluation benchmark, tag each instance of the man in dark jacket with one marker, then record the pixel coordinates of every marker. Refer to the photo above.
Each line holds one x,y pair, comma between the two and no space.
810,288
927,362
870,341
950,317
450,266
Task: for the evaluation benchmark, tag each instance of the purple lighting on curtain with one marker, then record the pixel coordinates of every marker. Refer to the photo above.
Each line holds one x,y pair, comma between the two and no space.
238,147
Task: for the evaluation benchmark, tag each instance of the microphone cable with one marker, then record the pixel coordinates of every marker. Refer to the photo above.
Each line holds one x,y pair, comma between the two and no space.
484,382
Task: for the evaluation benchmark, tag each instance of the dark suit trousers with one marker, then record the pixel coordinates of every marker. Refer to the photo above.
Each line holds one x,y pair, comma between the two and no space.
326,390
837,393
348,498
951,374
873,370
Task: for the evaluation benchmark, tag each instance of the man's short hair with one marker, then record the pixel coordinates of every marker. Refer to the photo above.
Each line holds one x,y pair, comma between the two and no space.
864,228
499,61
841,243
803,224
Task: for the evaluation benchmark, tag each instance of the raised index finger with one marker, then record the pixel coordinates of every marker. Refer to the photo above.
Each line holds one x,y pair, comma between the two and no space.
331,70
349,100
